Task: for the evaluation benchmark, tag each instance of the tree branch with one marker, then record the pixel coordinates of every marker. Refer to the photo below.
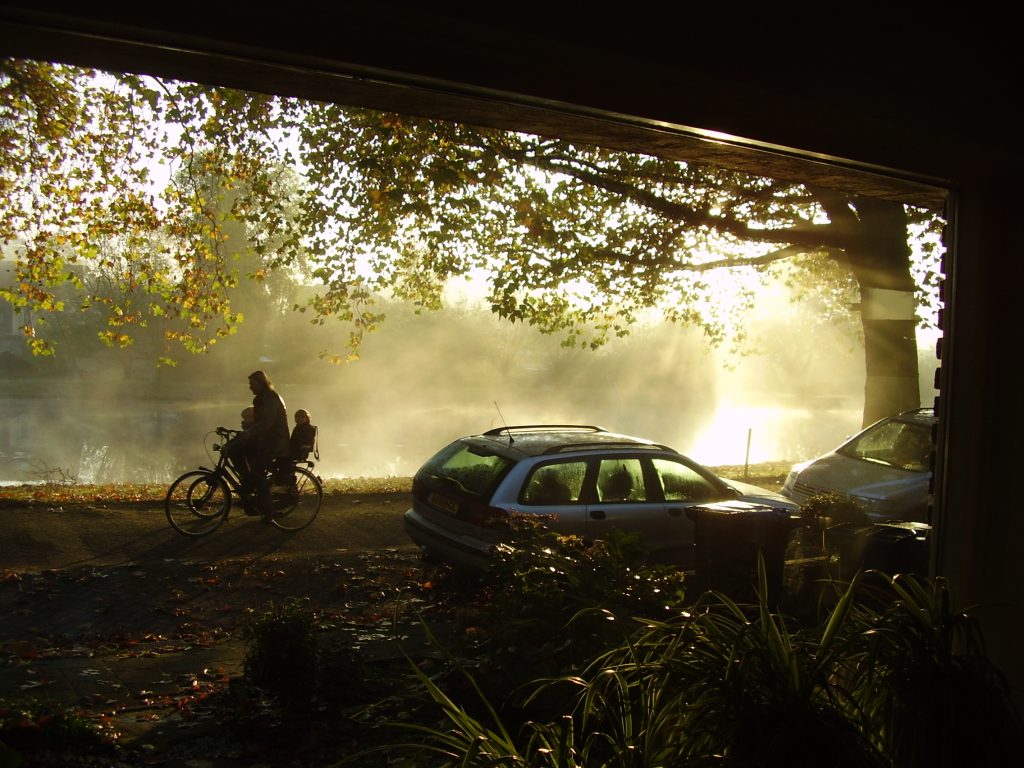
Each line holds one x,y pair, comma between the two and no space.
780,254
809,236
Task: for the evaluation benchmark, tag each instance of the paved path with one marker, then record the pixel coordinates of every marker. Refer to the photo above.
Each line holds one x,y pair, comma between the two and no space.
109,610
41,536
151,696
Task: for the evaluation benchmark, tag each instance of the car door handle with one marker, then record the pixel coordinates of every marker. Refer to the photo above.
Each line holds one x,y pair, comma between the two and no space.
675,511
597,514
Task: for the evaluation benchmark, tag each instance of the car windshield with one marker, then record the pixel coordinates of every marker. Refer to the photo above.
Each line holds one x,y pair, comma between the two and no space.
894,443
469,468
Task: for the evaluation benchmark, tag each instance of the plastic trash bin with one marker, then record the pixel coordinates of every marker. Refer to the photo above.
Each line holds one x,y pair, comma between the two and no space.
729,535
892,548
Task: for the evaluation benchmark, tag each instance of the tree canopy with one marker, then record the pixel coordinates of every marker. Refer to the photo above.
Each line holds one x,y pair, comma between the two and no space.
576,240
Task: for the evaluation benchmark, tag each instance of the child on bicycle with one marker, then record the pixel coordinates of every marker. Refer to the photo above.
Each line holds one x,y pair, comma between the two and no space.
241,445
303,438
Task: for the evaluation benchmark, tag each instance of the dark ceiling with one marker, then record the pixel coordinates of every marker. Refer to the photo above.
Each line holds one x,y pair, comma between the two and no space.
586,77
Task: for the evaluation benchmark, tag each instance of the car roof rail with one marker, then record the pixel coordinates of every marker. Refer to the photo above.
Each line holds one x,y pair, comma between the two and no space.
603,446
543,428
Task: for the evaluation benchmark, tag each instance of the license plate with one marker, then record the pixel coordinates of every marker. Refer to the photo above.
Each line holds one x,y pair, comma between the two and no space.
451,506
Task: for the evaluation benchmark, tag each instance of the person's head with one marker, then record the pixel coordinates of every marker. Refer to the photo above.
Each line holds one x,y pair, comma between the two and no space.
258,382
302,416
248,417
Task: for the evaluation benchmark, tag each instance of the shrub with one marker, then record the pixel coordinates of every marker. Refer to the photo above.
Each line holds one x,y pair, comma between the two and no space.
281,652
722,683
833,509
345,675
30,728
551,602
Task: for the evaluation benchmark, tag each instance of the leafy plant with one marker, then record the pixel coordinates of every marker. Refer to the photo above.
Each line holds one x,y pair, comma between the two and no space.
30,728
551,602
723,681
344,675
921,677
907,684
833,508
281,652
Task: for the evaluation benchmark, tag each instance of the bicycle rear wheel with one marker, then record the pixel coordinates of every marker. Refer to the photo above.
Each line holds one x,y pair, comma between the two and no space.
197,503
297,506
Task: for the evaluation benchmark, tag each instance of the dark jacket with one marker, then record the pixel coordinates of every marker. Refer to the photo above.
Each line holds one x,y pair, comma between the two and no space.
303,440
271,427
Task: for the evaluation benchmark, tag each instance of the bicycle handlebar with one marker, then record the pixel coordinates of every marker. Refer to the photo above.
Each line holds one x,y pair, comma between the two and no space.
227,435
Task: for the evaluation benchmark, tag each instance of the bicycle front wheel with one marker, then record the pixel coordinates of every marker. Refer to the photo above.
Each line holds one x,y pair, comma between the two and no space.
296,506
197,503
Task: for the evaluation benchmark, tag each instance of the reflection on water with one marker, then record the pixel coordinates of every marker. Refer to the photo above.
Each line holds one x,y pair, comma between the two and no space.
739,433
103,440
91,465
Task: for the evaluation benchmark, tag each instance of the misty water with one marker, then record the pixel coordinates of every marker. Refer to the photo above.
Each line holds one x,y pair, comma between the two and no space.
423,380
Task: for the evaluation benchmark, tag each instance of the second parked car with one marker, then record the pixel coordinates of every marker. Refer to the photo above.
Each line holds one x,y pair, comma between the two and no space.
884,469
584,479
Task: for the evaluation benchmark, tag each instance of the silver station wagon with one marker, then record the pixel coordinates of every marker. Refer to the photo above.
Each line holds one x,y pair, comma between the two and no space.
584,479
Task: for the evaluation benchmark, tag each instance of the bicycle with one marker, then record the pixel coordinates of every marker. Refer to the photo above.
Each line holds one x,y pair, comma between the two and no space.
198,502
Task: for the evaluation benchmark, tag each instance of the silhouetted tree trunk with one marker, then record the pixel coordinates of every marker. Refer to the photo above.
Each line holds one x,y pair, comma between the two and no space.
876,247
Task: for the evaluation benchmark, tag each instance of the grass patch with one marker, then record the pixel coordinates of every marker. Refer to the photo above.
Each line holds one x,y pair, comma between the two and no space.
769,475
129,493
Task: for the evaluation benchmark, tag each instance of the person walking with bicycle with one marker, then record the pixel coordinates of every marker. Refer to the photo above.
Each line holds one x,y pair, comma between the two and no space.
253,451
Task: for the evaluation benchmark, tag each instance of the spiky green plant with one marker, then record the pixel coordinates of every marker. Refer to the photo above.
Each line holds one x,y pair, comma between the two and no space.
894,681
920,675
728,683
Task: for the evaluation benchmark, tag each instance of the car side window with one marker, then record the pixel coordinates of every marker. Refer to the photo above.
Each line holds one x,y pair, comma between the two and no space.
558,483
681,483
621,480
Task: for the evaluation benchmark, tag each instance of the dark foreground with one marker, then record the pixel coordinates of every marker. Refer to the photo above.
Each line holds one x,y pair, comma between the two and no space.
113,619
110,614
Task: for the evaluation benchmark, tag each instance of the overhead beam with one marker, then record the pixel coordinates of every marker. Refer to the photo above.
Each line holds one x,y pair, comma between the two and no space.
287,73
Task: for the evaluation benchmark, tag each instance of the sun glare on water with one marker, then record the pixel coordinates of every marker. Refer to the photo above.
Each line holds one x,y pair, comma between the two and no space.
726,440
